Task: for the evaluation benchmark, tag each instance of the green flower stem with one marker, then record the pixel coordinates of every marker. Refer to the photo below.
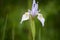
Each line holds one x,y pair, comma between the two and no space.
32,27
4,29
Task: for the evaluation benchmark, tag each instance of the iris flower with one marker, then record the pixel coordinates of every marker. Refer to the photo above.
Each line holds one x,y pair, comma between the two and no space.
33,12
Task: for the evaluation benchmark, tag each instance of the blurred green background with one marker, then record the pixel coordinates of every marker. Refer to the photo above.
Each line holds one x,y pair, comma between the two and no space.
11,12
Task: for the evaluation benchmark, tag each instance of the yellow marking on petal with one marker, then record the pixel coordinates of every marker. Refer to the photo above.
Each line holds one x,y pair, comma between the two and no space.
27,14
41,16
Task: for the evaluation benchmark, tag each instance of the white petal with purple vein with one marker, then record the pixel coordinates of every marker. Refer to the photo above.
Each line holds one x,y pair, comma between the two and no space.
41,19
25,17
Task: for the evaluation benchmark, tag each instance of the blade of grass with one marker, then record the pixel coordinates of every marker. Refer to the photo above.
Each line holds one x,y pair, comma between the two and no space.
4,28
39,34
13,31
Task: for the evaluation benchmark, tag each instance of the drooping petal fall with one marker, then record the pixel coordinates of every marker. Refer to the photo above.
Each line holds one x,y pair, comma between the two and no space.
41,19
25,17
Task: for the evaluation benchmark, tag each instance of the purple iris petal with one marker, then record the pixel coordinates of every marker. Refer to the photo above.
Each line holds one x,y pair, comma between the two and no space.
34,8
